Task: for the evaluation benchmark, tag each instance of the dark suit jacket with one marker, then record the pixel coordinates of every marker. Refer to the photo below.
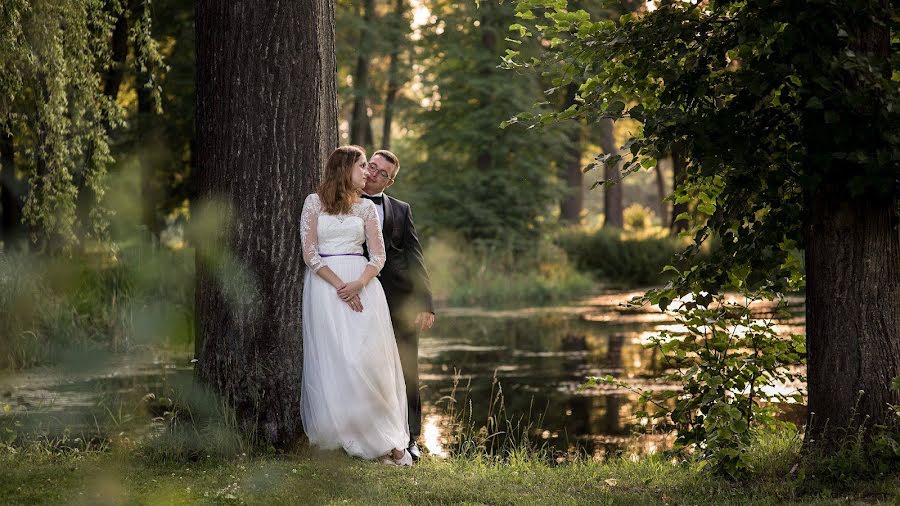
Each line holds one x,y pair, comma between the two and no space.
404,277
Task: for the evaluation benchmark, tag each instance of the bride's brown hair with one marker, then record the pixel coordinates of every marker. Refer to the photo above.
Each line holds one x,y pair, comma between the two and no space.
336,189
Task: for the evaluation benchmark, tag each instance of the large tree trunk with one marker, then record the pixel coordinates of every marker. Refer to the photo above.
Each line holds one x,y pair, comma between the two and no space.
393,76
573,200
266,122
853,292
613,206
678,175
360,126
852,314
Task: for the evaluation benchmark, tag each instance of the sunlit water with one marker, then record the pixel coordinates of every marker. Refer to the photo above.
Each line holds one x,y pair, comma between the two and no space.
530,362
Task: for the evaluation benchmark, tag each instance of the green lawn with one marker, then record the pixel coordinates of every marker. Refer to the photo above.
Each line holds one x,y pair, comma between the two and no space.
119,477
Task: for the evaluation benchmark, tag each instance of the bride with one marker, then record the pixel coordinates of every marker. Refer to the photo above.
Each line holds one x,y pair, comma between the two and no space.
353,393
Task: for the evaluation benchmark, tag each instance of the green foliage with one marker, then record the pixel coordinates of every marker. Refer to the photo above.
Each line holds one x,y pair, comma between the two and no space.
51,307
732,366
620,258
54,56
770,101
492,273
637,217
863,455
480,180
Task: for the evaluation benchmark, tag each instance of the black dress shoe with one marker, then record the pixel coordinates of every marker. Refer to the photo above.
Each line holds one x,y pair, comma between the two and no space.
414,451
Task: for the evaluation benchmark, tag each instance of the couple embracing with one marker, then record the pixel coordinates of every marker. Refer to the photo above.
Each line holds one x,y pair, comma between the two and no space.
366,296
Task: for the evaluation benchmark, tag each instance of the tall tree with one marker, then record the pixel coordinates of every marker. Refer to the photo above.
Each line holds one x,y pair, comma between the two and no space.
485,182
148,105
852,226
12,191
677,224
571,170
266,121
573,197
360,124
788,112
661,193
613,198
398,30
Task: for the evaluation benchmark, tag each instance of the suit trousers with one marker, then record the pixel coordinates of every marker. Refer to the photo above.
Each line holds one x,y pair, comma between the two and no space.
407,336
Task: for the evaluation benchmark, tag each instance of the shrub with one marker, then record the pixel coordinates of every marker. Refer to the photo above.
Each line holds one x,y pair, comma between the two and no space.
619,257
497,273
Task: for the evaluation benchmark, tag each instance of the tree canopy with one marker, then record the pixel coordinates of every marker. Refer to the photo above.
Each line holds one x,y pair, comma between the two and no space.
771,100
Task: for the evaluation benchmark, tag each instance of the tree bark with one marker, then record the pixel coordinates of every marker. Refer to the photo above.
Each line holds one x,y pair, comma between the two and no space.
113,79
266,122
852,314
360,125
661,194
678,174
853,292
12,194
393,76
573,201
147,151
613,206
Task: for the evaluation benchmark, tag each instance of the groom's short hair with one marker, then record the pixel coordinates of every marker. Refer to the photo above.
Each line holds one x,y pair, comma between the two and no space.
391,157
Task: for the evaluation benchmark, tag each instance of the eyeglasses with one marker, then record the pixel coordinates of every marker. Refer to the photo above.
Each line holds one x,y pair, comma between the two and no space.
381,172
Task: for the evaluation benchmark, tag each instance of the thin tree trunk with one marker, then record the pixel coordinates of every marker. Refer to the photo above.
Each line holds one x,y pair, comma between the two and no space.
147,147
661,194
150,194
11,194
852,314
678,174
573,201
266,121
360,125
393,76
613,207
113,78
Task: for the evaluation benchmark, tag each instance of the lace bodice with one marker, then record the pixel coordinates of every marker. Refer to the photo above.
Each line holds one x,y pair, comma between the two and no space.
326,234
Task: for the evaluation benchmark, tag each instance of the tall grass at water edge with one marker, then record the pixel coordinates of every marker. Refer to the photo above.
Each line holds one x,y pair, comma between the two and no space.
53,306
495,273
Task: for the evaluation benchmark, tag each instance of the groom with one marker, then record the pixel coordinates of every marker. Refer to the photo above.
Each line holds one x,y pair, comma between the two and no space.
404,278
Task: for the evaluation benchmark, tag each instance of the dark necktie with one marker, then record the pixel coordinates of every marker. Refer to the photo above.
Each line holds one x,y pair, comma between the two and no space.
377,200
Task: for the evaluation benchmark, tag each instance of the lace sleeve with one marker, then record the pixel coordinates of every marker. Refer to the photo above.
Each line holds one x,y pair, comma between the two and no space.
374,240
309,236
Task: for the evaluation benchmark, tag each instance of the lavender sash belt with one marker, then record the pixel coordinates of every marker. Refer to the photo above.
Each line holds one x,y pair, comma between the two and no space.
341,255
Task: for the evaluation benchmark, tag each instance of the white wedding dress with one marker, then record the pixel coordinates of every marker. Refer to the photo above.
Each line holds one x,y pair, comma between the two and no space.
353,394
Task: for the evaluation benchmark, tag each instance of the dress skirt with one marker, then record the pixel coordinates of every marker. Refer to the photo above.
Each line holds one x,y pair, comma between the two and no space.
353,394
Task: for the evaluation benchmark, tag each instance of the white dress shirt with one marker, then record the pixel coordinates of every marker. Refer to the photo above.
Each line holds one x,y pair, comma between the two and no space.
380,208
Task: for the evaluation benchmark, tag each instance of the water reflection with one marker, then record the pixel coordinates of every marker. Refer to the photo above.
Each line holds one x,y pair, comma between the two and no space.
539,356
541,359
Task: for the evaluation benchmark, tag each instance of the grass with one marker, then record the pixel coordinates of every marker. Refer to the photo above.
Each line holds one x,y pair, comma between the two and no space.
502,274
93,302
308,477
200,458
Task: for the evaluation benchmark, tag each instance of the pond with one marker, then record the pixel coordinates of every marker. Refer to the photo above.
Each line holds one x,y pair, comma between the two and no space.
525,365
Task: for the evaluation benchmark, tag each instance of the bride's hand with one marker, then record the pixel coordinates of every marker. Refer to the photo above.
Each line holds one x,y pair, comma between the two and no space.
349,290
355,304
